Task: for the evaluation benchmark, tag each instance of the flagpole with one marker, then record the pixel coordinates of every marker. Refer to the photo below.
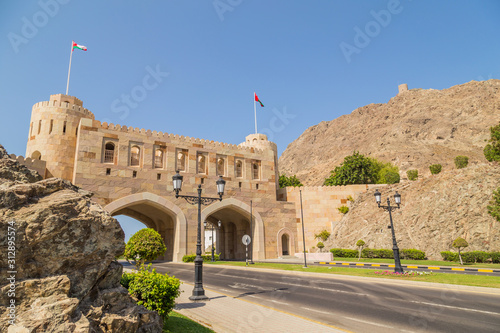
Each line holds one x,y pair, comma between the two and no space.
69,70
255,111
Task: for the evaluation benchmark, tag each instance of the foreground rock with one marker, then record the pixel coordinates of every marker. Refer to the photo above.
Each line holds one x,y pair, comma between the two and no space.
413,130
67,279
434,211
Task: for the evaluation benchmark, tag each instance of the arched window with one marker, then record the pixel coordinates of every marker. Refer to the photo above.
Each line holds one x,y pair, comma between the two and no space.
135,153
220,166
239,168
202,164
181,160
36,155
255,170
158,159
109,153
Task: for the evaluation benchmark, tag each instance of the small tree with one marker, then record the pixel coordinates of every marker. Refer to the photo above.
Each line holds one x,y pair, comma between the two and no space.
320,246
323,235
435,168
494,206
460,243
356,169
412,174
461,162
492,149
360,245
285,181
144,245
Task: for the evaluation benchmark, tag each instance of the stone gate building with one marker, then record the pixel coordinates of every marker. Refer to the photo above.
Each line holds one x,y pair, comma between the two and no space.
130,171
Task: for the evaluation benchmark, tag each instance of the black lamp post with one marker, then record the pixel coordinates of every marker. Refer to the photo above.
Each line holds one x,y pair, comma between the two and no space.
397,198
198,291
212,227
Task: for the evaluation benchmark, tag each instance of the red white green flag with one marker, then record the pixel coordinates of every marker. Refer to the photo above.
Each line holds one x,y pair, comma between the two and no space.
258,100
77,46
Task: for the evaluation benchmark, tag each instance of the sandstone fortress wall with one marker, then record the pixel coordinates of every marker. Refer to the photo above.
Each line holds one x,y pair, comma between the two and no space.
130,171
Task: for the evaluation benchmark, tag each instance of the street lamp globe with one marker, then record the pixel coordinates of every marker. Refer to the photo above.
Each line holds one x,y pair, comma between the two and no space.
397,198
177,180
221,183
205,224
378,196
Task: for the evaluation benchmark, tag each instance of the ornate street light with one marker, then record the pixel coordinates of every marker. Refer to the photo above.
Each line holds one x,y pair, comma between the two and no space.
397,198
198,291
219,224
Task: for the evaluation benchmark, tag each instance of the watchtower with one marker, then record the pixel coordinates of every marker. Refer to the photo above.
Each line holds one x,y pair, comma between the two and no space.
53,133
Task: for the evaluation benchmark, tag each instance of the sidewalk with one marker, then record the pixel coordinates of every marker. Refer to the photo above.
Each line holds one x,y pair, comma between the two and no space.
224,313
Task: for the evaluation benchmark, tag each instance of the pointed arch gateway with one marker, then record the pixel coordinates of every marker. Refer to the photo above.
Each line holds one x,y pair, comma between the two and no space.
235,217
158,213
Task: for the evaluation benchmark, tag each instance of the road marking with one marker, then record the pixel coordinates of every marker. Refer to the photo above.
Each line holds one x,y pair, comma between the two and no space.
360,264
392,265
376,265
278,302
456,307
368,322
485,270
457,269
345,263
314,310
411,266
433,267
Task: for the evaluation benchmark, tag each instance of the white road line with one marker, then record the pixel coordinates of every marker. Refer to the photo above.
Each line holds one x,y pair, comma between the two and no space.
314,310
368,322
278,302
456,308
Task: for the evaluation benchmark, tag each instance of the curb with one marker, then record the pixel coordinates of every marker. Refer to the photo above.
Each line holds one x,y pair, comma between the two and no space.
437,268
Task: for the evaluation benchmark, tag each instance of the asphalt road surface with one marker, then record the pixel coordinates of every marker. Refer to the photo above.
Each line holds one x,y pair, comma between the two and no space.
353,303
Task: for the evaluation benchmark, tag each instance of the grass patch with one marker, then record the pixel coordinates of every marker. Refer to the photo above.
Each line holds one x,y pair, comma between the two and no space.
420,262
459,279
178,323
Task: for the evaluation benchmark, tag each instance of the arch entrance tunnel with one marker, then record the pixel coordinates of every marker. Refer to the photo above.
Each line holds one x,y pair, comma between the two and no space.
234,225
160,220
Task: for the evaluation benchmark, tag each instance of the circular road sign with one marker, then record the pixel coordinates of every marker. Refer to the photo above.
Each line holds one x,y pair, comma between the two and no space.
246,239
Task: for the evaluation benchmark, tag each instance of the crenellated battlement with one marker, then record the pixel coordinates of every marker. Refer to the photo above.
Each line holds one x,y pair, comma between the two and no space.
66,102
164,136
34,164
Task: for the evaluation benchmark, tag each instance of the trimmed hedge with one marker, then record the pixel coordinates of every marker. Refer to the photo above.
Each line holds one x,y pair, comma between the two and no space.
206,257
412,254
472,256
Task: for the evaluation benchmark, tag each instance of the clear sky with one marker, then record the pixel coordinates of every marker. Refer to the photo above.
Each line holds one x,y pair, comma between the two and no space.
191,67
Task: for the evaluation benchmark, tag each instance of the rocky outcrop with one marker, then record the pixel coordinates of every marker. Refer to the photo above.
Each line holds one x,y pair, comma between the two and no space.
434,211
67,279
413,130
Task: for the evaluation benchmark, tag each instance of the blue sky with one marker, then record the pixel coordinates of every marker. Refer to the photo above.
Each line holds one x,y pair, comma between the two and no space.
308,61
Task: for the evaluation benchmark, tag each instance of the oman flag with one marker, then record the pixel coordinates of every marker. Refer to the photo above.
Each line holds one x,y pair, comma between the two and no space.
77,46
258,100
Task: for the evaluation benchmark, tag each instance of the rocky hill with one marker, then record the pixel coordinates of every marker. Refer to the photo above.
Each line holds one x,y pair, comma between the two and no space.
65,274
413,130
434,211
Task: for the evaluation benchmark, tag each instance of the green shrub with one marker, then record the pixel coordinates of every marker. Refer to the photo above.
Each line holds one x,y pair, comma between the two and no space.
320,246
323,235
355,169
460,243
144,245
154,291
494,206
377,253
285,181
344,253
435,168
126,278
495,257
349,198
412,254
475,256
206,257
461,161
492,149
343,209
412,174
449,256
391,177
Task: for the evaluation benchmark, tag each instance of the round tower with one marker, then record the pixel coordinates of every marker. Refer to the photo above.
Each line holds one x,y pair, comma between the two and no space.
53,133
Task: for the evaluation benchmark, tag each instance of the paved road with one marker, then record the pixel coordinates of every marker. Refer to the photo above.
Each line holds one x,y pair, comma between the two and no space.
353,303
